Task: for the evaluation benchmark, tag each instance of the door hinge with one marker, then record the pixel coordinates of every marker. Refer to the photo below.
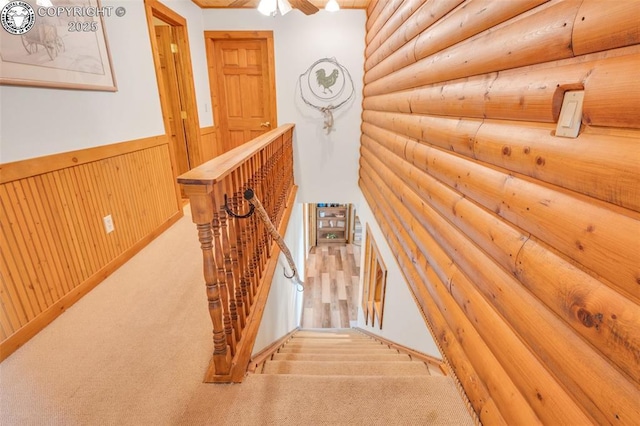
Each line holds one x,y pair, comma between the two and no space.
174,48
183,115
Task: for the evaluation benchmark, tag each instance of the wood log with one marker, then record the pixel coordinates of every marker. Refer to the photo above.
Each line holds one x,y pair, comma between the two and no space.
543,394
385,13
373,11
605,393
538,37
448,133
424,17
472,18
596,237
491,373
581,300
531,94
395,21
396,102
602,316
474,388
594,31
603,167
611,94
499,240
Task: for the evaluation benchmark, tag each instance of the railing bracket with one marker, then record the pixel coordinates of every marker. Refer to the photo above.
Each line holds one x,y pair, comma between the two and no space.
238,216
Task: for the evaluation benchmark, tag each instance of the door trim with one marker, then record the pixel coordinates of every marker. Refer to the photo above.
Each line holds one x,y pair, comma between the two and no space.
210,38
158,10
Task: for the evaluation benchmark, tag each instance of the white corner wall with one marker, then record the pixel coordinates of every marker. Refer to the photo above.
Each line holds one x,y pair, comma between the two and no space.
402,321
326,166
39,121
283,310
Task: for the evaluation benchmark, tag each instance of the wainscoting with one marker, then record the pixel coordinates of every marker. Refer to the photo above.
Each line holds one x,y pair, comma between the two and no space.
209,143
54,245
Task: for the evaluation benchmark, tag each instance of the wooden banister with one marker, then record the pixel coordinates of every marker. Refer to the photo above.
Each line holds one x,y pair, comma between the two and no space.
238,253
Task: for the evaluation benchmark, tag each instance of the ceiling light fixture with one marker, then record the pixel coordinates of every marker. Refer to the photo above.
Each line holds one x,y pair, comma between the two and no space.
268,7
284,7
271,7
332,6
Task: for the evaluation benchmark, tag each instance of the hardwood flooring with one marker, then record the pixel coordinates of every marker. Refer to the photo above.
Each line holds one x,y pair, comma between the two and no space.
332,283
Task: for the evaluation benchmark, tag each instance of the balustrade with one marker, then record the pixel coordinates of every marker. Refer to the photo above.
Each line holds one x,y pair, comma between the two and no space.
239,254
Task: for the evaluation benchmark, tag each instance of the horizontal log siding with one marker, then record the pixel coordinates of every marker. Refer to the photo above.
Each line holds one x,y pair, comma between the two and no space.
53,245
521,248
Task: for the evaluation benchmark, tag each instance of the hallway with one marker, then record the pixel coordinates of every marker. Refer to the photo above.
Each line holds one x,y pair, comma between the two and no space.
332,286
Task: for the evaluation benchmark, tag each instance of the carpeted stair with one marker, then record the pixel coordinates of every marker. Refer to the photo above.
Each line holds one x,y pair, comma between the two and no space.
337,377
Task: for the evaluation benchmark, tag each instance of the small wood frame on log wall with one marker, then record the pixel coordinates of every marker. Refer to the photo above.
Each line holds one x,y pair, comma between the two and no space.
522,248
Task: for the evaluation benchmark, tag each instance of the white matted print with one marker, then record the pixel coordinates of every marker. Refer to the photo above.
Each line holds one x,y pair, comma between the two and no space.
56,43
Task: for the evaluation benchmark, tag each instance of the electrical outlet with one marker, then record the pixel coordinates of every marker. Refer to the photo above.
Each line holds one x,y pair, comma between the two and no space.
108,224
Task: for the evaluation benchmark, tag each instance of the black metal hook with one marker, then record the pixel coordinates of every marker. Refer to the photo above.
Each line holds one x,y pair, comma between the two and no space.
238,216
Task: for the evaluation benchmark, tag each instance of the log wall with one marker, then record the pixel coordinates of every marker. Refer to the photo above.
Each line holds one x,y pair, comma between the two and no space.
53,245
522,248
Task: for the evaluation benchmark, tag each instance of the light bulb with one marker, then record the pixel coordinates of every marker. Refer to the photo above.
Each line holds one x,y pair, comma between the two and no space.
268,7
284,7
332,6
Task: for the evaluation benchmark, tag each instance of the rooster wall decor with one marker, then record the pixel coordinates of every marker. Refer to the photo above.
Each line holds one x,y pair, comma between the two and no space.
326,86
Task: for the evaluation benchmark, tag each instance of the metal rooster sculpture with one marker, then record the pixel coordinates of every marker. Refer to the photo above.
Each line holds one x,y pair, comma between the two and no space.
322,88
326,81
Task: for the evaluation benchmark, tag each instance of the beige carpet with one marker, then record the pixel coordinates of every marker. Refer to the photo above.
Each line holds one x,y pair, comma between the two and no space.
135,349
353,392
131,352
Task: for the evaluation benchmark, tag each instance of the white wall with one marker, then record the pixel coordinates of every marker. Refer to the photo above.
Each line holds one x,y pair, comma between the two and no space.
284,306
402,322
326,166
38,121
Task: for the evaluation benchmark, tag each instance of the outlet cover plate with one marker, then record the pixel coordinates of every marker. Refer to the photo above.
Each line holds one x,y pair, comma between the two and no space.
108,224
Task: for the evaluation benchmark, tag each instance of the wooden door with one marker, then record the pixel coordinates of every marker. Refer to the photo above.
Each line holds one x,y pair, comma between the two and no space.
176,113
243,85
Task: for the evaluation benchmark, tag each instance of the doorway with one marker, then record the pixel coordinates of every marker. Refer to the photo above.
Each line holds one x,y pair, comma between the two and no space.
243,94
172,59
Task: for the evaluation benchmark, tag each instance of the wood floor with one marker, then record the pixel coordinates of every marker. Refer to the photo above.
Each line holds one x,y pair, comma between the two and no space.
331,286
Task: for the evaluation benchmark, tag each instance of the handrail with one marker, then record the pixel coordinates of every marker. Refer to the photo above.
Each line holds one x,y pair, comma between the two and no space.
218,168
239,254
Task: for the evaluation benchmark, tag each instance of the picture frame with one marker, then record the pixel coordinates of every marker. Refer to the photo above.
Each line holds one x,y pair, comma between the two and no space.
66,48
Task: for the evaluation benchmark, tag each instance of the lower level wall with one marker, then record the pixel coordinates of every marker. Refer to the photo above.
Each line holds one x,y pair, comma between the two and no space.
54,247
403,323
284,306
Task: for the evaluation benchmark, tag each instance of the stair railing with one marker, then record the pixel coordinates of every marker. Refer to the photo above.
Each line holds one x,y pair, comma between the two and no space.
239,255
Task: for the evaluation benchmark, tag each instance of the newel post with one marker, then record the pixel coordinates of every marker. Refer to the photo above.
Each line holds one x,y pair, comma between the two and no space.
202,212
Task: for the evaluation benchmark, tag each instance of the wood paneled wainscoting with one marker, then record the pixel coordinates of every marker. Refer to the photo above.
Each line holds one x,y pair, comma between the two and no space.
209,143
53,241
521,247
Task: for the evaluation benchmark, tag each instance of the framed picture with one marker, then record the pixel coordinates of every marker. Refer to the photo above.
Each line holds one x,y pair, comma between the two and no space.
56,43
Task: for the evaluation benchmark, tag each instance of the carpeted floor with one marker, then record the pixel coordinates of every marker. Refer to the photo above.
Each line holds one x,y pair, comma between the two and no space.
135,349
131,352
303,392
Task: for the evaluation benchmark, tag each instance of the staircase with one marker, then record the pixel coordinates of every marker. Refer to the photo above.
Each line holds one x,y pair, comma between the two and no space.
337,377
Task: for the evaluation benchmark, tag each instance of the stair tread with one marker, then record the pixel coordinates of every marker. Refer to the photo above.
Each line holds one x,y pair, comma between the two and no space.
336,344
341,357
345,400
355,368
336,350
